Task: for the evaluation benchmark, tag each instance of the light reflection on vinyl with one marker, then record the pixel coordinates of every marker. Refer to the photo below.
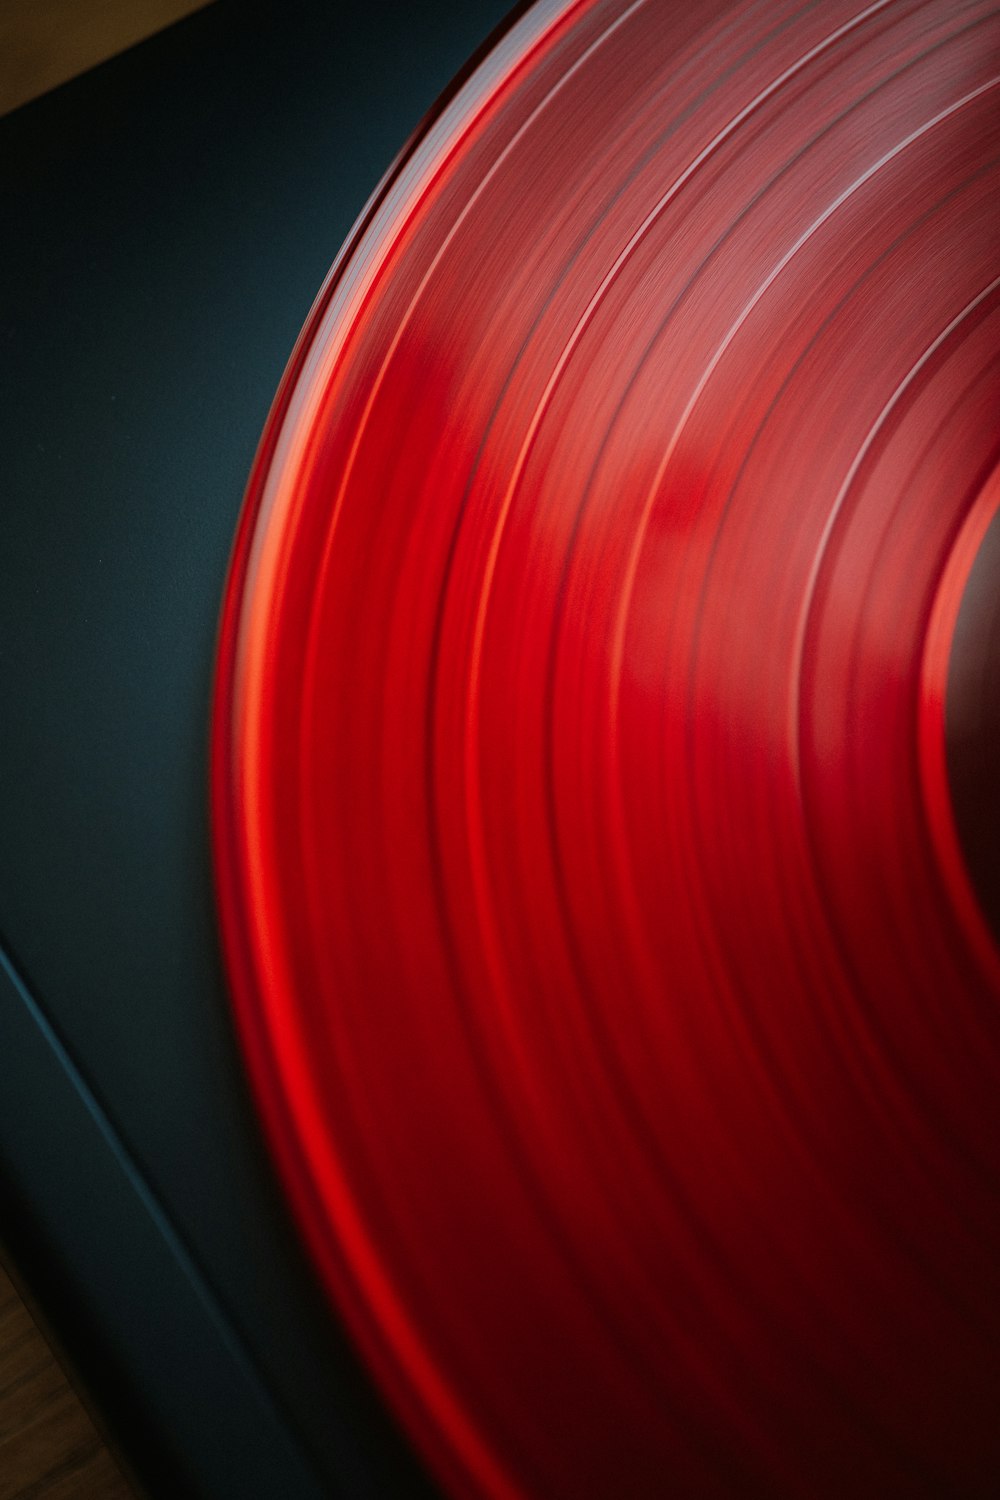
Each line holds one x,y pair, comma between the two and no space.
607,944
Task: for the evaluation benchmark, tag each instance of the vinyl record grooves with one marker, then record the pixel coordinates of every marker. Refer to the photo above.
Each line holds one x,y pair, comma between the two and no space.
606,938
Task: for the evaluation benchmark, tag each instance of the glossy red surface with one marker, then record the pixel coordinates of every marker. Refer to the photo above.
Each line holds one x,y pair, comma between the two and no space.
622,1016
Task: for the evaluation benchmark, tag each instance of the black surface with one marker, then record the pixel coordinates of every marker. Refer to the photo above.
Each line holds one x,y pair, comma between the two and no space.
169,218
972,724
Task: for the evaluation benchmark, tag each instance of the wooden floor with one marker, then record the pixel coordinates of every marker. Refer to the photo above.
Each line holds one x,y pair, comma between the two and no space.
44,42
49,1447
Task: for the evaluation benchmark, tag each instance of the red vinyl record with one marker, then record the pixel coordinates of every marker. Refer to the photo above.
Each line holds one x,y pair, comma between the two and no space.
614,976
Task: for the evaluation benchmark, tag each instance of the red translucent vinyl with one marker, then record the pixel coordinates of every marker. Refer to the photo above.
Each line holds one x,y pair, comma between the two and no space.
622,1016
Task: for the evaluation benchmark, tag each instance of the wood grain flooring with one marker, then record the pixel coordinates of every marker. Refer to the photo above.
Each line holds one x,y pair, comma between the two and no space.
44,42
49,1447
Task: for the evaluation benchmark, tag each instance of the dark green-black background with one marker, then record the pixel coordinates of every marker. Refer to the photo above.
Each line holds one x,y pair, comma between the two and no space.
166,222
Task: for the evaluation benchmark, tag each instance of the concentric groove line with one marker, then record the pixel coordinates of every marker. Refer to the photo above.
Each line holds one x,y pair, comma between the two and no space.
605,961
